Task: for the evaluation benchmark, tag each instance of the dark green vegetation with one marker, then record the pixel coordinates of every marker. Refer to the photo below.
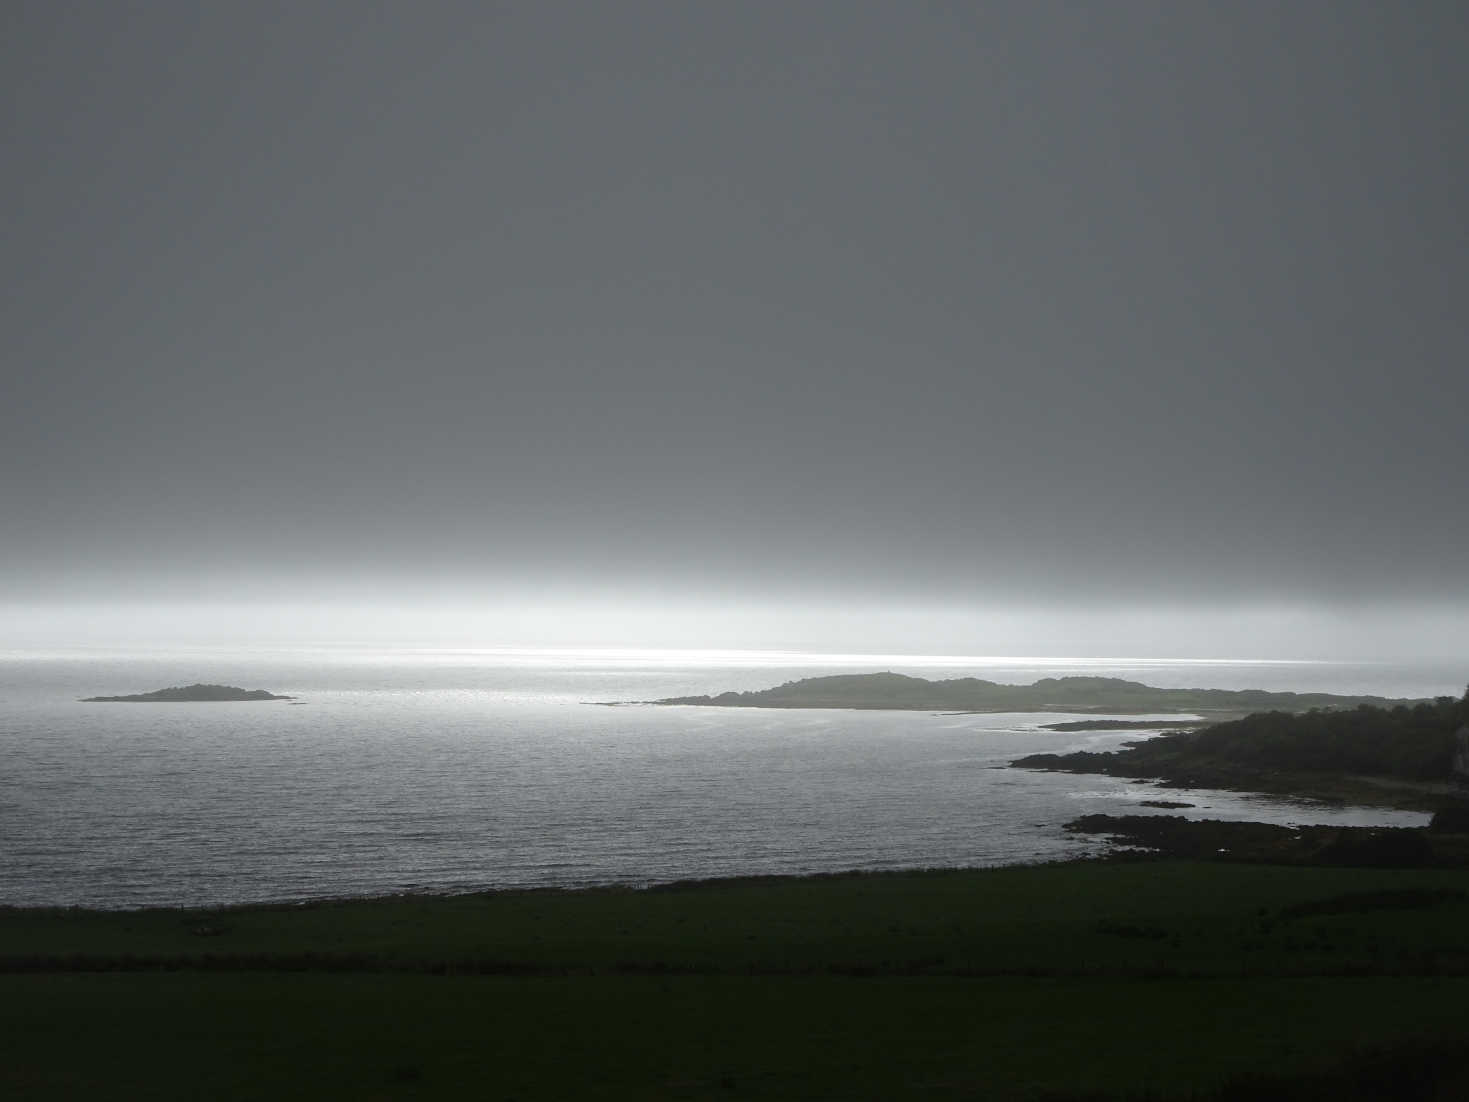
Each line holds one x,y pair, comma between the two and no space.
1049,694
1402,755
1142,978
188,693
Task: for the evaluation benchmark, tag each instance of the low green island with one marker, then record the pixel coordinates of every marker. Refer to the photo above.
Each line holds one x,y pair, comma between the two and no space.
1102,695
188,694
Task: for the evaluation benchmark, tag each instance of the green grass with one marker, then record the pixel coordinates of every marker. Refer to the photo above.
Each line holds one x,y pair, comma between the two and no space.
1150,979
1052,920
363,1036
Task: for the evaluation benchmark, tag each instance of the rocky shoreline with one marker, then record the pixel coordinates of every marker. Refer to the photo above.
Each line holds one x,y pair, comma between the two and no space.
1443,844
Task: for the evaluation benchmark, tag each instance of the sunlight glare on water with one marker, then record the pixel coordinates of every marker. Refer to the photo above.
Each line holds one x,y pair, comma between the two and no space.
455,770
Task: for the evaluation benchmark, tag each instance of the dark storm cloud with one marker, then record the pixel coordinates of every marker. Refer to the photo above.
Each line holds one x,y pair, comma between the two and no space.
1059,300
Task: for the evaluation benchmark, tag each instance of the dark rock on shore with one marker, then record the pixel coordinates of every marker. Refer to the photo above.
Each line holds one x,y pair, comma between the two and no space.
1451,818
1218,840
1124,725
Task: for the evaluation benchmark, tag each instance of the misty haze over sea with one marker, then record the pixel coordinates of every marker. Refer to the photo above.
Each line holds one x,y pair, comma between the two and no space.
1003,328
454,770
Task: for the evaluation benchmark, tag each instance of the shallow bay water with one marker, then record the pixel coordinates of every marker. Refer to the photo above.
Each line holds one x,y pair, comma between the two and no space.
421,770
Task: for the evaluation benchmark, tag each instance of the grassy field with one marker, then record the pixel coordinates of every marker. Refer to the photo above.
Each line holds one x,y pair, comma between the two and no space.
1163,979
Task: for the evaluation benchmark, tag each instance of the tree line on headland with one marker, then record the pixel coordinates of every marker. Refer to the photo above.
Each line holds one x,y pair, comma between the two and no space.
1419,744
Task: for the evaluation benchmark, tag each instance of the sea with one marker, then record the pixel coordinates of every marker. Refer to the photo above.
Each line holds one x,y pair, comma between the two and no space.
447,771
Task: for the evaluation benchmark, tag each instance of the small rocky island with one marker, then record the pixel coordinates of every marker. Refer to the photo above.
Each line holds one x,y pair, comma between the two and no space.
1102,695
188,694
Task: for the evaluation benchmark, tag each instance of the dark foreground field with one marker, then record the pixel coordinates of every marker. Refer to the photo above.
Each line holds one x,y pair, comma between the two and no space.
1147,979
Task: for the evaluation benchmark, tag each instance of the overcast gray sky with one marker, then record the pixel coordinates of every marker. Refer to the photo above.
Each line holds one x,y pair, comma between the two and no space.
939,305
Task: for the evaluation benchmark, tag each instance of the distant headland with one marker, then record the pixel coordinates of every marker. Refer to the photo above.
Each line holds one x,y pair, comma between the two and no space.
188,693
1103,695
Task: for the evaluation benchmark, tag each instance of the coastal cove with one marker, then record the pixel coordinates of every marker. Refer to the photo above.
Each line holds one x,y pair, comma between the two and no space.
335,860
453,771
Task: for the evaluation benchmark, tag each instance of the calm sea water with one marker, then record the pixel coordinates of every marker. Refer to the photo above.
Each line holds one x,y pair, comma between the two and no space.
461,770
